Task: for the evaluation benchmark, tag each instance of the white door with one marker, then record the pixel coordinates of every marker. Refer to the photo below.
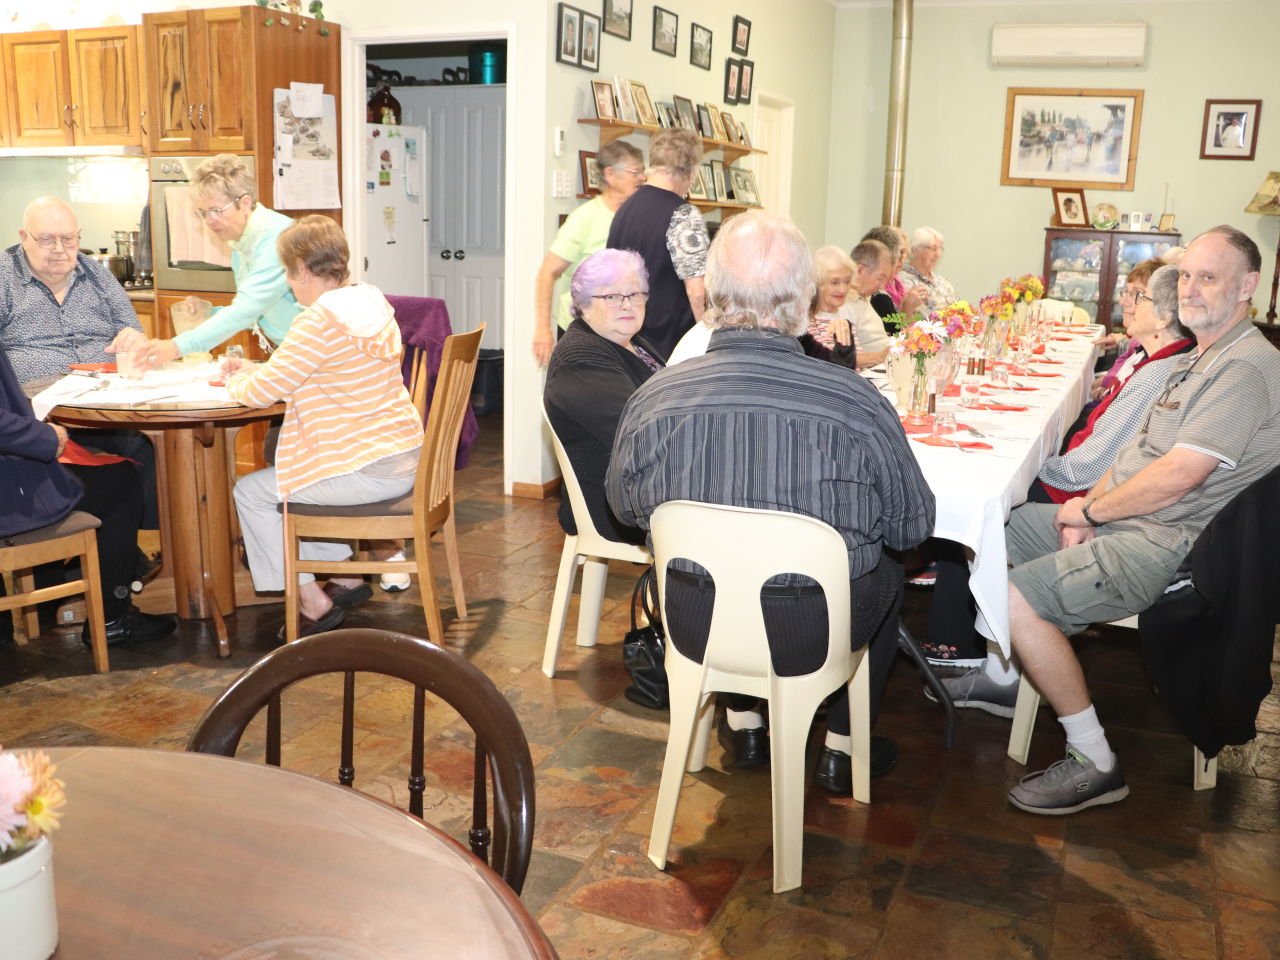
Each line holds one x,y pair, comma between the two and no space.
466,127
773,133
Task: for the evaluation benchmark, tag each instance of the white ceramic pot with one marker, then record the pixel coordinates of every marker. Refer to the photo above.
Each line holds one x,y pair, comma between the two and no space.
28,914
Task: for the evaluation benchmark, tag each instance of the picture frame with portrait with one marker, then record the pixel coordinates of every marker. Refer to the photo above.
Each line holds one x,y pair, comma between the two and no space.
625,101
700,46
1058,137
589,51
697,189
617,18
714,192
744,186
1069,207
602,94
723,187
741,35
592,177
645,112
568,35
1230,130
684,110
666,31
706,128
746,80
732,69
717,123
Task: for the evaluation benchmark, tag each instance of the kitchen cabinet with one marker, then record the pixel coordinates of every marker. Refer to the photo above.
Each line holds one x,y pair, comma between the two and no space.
72,88
1088,267
106,100
4,108
35,69
200,76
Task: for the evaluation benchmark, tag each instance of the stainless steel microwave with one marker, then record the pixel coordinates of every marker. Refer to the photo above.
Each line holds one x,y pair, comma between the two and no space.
187,255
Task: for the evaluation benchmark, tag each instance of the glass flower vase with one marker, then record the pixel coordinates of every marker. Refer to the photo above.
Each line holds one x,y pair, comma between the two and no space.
918,406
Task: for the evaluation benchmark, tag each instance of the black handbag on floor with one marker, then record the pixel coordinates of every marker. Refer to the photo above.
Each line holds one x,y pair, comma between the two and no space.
643,648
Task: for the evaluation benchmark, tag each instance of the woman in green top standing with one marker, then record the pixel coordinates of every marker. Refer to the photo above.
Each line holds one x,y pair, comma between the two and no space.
227,202
584,232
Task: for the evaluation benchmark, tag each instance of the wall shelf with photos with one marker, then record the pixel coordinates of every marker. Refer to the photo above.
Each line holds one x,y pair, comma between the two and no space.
722,205
611,130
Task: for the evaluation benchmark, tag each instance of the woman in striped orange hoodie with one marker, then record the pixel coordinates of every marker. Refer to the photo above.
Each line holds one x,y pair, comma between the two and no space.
351,433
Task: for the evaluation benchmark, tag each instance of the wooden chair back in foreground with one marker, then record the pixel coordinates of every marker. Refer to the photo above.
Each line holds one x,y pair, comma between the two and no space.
593,551
501,748
741,549
417,515
70,538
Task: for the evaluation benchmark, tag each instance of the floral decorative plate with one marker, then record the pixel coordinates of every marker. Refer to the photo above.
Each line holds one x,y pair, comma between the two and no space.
1105,216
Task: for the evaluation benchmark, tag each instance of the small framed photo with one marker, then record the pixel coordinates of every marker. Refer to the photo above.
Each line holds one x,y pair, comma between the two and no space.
741,35
744,186
617,18
732,68
592,178
700,46
602,93
714,192
666,111
1230,129
723,187
1166,223
626,102
745,81
717,123
666,27
742,131
685,111
731,133
705,126
644,106
1068,203
589,59
569,35
697,189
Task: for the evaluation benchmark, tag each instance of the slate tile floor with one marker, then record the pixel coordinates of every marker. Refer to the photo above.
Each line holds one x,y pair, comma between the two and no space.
939,865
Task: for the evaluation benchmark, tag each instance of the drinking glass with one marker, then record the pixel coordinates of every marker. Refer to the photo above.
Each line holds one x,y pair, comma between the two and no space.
944,423
126,366
1000,375
970,391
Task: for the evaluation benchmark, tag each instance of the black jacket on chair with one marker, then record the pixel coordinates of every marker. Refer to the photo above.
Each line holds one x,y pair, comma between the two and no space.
589,381
1209,646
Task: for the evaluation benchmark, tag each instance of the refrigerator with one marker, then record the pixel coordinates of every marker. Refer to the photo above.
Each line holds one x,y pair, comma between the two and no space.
396,208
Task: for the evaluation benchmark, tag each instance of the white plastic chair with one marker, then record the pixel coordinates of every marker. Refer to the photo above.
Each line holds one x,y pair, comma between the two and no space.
1204,772
741,549
591,550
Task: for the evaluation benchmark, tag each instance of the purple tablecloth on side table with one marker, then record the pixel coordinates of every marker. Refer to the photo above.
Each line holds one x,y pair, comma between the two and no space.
424,324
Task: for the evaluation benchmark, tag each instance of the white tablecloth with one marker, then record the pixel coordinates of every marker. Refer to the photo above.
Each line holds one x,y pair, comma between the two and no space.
976,491
177,382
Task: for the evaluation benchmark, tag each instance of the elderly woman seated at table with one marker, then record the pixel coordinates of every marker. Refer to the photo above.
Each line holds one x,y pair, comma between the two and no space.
893,297
1129,345
594,369
351,433
1155,326
926,250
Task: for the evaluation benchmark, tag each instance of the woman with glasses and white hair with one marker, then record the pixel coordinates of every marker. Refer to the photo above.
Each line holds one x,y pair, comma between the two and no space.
935,292
583,232
226,200
594,370
670,235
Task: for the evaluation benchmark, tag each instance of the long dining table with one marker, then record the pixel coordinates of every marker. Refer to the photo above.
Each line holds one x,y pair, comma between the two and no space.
976,488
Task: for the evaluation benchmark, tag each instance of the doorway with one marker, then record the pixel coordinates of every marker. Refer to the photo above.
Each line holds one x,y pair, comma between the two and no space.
775,133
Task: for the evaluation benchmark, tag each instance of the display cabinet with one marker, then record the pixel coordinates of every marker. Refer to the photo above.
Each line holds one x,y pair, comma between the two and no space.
1088,267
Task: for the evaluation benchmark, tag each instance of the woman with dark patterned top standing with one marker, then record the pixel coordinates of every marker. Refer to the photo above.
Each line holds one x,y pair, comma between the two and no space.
670,235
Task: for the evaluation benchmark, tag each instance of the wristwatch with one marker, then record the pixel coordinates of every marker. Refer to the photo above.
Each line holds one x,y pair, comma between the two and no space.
1092,522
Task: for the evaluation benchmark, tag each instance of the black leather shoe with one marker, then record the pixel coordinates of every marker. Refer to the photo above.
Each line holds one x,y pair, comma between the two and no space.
135,627
306,626
744,748
835,768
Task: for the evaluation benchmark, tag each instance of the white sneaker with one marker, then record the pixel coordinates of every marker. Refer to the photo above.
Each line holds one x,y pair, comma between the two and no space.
395,582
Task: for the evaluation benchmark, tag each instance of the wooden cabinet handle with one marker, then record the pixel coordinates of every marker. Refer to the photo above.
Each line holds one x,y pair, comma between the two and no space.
142,123
200,118
66,115
74,108
191,107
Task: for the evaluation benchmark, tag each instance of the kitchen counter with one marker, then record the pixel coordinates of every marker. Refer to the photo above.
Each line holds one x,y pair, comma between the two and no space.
141,296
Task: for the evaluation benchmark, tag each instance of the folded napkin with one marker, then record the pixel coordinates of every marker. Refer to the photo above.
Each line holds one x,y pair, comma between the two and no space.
1002,407
75,454
1040,349
1041,373
109,367
1045,360
1064,339
962,444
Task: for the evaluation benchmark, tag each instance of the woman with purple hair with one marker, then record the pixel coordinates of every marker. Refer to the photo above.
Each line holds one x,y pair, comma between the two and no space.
594,369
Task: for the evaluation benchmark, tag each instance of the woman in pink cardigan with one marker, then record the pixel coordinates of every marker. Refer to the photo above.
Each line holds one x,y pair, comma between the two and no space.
351,434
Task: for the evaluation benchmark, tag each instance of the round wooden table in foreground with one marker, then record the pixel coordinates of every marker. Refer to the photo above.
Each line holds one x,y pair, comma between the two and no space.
164,855
197,518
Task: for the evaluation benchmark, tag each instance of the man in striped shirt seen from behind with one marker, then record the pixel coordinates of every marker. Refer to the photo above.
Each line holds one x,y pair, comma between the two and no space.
756,423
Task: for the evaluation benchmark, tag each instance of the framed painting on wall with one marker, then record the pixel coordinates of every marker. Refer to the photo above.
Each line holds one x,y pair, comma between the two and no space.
1230,129
1071,138
568,35
617,18
666,30
700,46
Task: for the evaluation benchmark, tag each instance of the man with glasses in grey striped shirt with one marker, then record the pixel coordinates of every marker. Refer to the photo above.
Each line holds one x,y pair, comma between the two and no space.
756,423
1110,554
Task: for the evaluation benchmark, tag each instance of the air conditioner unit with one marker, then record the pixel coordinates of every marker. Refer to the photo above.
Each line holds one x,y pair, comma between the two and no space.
1068,44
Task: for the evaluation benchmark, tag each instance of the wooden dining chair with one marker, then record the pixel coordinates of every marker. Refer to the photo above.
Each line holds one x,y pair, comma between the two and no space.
501,750
72,537
426,510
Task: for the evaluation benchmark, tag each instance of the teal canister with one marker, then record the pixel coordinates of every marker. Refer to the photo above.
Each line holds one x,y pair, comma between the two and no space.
487,63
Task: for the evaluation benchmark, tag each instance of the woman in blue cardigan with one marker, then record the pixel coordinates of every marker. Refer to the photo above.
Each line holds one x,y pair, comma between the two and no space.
37,490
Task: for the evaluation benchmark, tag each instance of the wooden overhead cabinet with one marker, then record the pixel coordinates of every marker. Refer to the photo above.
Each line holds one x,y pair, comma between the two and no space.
35,69
106,102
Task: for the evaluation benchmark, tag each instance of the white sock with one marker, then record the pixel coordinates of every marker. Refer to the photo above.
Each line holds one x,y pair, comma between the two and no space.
744,719
1000,671
1086,735
842,743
